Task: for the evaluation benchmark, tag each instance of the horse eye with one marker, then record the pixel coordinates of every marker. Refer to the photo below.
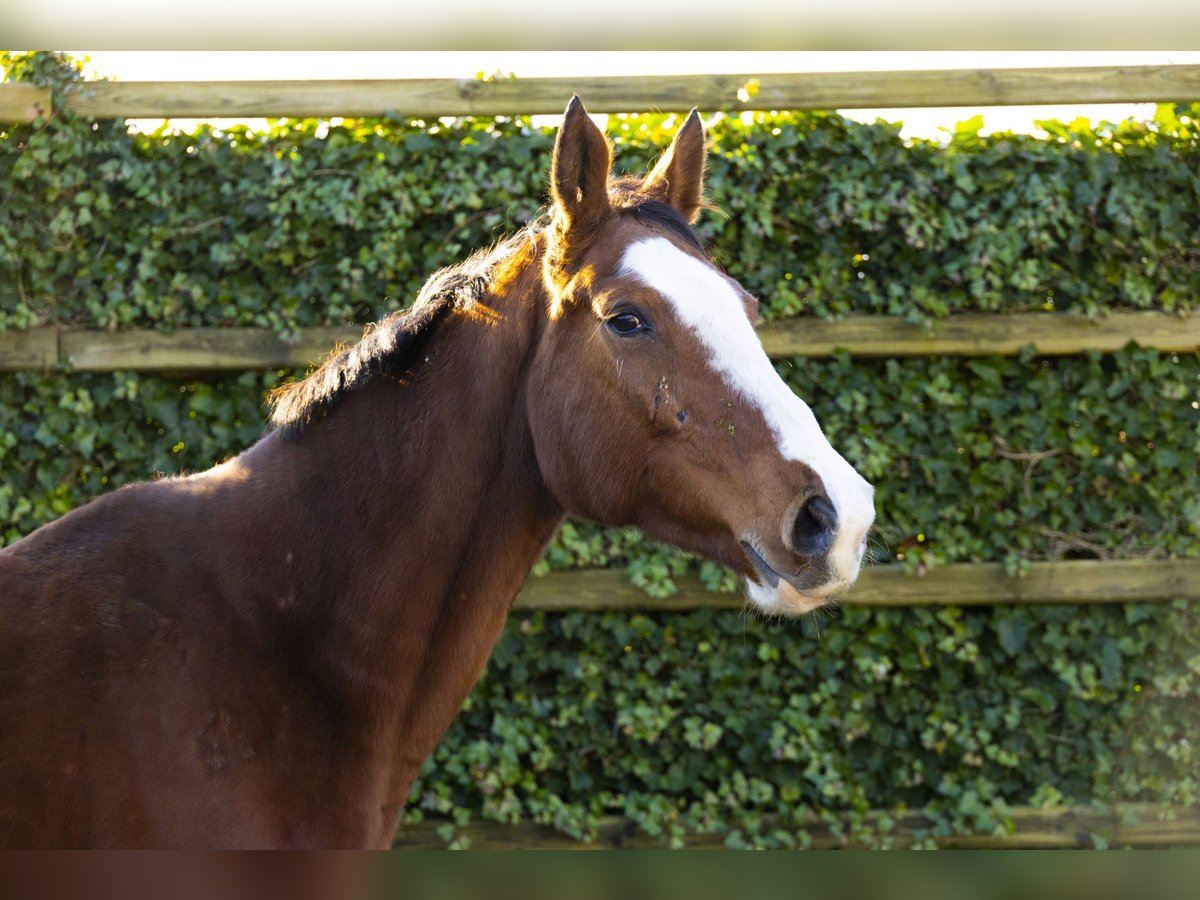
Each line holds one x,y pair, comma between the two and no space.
625,323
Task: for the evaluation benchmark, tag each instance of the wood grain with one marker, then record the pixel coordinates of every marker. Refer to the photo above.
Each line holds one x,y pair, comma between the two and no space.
960,584
23,102
981,334
426,98
21,350
200,349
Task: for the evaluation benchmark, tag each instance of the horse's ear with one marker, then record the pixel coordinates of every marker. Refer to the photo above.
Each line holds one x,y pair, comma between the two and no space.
579,173
678,178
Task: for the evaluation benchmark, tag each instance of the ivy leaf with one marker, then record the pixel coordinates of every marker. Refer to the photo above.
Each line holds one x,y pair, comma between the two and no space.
1011,632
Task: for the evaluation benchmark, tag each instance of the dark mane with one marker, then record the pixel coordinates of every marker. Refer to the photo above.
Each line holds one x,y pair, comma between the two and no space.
390,346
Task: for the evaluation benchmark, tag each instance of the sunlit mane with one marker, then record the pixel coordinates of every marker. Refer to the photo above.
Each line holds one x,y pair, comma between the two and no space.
392,345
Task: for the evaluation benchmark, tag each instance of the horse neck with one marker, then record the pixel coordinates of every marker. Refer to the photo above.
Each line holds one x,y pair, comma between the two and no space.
419,510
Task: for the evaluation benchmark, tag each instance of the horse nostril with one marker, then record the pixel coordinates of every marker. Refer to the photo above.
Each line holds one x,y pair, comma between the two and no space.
812,532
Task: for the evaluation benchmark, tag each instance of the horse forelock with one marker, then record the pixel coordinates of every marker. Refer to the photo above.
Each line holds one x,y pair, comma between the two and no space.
571,246
627,198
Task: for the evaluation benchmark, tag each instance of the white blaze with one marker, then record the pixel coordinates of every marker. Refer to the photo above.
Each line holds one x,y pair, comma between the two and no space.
706,301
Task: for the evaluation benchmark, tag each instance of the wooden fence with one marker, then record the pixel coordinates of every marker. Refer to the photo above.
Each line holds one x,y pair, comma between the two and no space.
431,97
960,584
1075,581
967,334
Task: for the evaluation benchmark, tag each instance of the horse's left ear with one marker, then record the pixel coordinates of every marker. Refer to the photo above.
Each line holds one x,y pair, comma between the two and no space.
678,178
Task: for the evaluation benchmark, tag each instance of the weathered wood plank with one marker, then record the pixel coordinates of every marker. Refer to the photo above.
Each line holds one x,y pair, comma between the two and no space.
36,349
968,334
600,589
23,102
1131,824
961,584
1063,581
427,98
981,334
199,349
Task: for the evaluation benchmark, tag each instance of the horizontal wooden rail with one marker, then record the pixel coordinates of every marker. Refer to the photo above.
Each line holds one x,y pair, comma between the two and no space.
969,334
430,97
23,102
1131,824
981,334
959,584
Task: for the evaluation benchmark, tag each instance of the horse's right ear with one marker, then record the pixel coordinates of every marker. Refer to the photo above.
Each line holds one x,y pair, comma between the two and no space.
579,172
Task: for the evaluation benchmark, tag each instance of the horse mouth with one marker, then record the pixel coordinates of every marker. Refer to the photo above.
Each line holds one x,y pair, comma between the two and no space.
761,566
778,593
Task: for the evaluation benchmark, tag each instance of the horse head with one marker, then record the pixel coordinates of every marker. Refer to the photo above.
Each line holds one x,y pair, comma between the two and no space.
652,401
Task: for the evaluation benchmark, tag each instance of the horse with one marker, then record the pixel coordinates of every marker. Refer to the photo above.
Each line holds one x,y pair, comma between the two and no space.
263,654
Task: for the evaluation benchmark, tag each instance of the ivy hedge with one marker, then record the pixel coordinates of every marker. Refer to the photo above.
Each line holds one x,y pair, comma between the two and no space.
709,720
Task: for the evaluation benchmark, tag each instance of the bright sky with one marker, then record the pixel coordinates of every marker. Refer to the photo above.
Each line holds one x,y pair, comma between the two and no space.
239,65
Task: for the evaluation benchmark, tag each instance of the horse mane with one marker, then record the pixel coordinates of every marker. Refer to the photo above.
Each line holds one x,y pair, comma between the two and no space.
393,345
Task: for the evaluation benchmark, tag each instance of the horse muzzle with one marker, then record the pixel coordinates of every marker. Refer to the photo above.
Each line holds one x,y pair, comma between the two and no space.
823,556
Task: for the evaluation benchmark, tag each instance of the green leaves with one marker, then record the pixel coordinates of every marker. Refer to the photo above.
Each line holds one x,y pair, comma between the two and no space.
961,713
1011,633
703,721
69,438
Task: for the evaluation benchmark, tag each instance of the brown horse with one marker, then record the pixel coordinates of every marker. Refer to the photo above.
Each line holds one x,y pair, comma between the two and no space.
263,654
